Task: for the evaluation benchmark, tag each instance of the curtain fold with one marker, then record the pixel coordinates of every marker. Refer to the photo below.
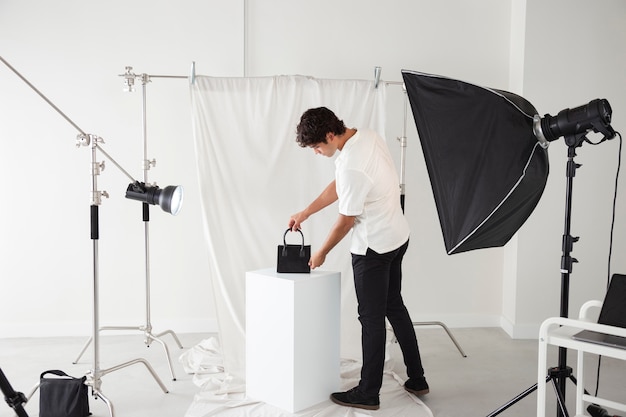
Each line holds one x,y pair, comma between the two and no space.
253,176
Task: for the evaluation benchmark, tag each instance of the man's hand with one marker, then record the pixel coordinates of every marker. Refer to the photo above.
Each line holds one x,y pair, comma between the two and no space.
296,220
340,229
327,197
317,259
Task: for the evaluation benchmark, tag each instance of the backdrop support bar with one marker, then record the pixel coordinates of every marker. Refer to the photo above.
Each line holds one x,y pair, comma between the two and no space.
130,76
377,80
167,76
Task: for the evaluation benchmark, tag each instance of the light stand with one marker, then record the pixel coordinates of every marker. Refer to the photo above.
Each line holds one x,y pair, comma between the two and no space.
403,145
500,161
559,374
95,375
573,126
149,337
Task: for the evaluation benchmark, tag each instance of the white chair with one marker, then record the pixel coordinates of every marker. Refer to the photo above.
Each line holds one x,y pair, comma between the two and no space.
558,331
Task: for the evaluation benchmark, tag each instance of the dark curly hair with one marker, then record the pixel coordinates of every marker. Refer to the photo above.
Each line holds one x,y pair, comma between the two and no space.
315,124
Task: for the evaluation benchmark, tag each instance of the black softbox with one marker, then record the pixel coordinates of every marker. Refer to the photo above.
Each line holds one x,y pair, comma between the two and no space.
486,167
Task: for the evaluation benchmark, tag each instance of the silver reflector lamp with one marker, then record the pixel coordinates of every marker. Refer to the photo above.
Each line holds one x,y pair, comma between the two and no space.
170,198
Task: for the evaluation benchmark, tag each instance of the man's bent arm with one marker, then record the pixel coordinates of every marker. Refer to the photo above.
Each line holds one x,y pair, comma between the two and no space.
326,198
339,230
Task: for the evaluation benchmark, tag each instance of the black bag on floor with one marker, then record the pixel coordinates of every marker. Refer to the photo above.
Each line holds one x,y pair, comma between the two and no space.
293,258
63,397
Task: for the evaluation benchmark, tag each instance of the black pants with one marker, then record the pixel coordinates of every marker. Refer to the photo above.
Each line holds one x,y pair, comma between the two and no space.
378,281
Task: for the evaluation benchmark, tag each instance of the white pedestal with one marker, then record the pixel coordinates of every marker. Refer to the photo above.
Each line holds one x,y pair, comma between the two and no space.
292,337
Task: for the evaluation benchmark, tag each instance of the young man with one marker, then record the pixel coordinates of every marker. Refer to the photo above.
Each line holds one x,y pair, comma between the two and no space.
367,188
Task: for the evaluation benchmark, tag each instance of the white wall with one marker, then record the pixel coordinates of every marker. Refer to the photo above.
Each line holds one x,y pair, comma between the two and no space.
74,50
574,53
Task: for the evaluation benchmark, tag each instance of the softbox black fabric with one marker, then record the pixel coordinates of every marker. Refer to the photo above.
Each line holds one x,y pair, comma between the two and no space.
486,167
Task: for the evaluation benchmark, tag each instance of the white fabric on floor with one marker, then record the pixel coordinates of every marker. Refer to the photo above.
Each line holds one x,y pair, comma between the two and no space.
253,176
218,397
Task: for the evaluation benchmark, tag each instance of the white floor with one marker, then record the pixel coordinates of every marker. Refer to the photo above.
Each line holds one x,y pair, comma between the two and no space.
496,369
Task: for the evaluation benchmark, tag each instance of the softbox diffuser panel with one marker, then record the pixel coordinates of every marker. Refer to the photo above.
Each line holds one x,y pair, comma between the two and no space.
486,167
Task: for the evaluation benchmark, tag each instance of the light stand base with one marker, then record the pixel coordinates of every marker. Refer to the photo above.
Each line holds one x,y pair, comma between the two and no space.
94,381
149,338
554,375
442,325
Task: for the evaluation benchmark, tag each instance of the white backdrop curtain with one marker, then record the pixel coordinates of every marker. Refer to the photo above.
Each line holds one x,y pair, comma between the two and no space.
253,176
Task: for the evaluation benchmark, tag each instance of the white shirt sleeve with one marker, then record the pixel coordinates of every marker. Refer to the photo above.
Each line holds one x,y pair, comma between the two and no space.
352,190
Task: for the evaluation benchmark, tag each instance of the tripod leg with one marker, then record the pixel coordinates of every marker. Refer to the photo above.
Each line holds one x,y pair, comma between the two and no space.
32,392
108,403
575,381
559,398
83,350
580,391
167,355
515,400
171,332
134,361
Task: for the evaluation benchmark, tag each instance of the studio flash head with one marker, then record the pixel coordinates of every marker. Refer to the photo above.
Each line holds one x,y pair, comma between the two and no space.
595,115
170,198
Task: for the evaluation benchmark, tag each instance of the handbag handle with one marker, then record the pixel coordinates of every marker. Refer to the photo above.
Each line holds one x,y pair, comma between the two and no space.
54,372
285,242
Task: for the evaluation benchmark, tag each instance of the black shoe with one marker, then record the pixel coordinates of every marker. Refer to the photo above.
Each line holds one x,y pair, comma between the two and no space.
417,386
354,398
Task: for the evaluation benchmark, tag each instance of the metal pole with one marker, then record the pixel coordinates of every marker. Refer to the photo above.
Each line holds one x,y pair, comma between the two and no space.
403,145
149,336
42,96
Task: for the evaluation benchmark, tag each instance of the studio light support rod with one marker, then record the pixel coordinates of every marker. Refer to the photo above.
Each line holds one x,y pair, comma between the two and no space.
42,96
82,139
86,139
115,163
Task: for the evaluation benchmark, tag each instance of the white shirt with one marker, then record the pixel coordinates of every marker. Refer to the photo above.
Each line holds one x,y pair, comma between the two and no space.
368,189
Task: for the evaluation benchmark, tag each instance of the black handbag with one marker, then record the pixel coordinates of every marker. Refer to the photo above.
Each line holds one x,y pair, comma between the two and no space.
63,397
293,258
